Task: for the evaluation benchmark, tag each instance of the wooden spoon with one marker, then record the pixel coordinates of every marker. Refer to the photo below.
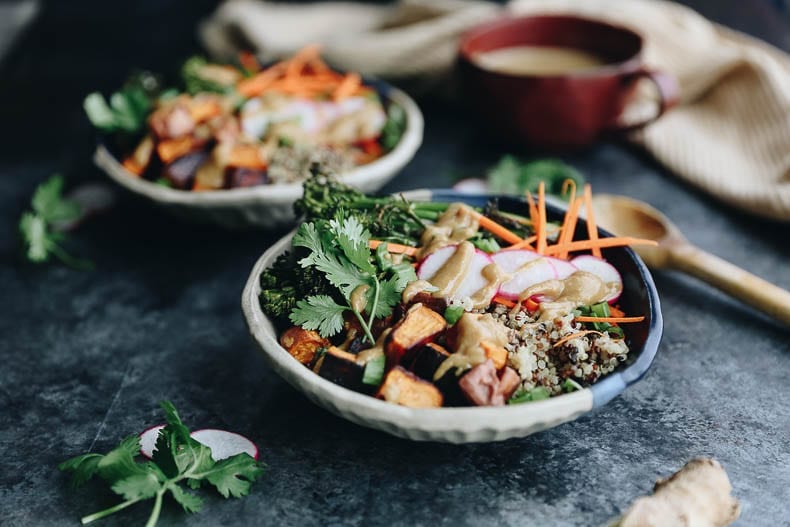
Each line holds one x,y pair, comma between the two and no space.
629,217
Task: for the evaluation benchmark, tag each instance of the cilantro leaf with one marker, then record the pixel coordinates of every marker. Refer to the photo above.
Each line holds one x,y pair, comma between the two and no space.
234,476
183,460
353,239
340,272
189,502
320,313
33,229
48,202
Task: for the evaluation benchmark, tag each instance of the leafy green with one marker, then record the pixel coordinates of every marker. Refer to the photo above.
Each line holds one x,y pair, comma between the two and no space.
538,393
571,386
394,127
127,109
511,176
339,248
374,371
453,314
38,228
600,310
177,459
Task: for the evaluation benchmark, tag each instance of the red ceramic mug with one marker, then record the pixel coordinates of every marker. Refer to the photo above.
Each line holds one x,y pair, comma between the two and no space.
565,110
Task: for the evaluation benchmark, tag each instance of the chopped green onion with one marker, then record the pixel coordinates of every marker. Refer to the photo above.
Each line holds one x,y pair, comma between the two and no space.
571,386
538,393
285,141
374,371
453,313
488,245
163,182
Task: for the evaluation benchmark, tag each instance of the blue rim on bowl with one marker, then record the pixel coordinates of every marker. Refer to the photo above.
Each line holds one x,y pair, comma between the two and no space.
469,424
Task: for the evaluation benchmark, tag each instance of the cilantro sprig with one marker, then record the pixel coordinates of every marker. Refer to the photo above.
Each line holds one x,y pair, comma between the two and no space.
38,227
178,459
339,248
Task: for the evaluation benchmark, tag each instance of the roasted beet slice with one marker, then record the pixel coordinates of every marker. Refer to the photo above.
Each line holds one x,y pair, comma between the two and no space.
427,360
341,368
238,177
509,382
181,172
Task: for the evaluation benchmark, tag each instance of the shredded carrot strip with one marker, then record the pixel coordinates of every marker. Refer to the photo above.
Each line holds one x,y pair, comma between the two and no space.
349,84
504,301
526,243
541,245
248,61
394,247
569,226
616,311
601,242
611,320
256,85
573,336
497,230
592,228
569,186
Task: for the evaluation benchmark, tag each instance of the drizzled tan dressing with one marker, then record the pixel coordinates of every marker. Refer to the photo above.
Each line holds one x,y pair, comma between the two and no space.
473,329
458,223
579,289
538,60
365,356
358,300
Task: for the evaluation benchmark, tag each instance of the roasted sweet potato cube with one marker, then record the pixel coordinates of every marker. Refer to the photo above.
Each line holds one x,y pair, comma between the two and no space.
341,368
497,354
402,387
302,343
420,326
509,381
427,360
481,385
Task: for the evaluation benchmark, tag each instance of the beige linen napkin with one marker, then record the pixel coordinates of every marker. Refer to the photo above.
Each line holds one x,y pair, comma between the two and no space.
730,136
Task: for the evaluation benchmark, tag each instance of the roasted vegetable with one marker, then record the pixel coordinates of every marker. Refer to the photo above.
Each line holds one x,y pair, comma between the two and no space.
497,354
238,177
418,327
427,360
402,387
341,368
509,382
302,343
481,385
180,173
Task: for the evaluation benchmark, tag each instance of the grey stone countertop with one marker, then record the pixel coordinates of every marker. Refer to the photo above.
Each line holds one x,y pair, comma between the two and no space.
86,356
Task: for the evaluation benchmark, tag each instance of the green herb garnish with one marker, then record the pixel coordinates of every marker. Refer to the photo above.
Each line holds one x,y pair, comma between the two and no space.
374,371
394,127
485,244
128,108
511,176
339,249
600,310
38,228
538,393
178,459
453,314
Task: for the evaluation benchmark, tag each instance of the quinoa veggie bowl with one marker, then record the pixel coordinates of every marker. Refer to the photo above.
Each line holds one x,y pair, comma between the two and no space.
616,367
233,143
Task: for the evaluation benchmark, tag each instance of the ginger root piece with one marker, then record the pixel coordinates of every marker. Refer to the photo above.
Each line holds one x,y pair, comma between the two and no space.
698,495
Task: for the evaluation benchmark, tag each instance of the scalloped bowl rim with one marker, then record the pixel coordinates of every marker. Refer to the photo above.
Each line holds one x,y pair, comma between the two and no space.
386,166
453,424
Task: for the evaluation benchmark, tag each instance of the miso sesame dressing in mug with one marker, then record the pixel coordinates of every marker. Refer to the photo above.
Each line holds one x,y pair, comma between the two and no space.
538,60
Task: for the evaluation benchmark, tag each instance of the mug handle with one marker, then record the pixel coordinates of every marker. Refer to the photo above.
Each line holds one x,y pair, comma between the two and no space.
668,95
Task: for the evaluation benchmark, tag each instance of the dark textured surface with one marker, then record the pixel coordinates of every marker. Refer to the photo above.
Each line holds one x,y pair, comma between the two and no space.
87,356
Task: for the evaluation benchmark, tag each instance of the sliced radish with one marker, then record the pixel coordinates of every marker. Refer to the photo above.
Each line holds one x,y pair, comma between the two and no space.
603,270
148,440
223,444
472,282
471,186
537,271
511,261
563,267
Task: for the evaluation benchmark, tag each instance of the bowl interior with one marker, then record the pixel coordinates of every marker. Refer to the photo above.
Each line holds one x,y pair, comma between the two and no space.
468,424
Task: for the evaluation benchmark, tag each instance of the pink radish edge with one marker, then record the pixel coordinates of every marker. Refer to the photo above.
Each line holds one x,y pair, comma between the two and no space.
223,444
603,270
471,283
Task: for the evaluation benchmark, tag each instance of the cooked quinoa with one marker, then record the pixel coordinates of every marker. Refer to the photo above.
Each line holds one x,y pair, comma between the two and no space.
533,353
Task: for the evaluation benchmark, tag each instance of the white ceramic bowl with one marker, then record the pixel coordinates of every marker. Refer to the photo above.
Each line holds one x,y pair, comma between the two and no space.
453,425
267,206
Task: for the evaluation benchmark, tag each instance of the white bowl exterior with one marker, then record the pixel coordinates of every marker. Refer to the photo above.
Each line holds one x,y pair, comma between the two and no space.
267,206
451,425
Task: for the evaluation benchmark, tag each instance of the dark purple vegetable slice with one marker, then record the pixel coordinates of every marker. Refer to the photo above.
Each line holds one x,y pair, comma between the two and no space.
181,172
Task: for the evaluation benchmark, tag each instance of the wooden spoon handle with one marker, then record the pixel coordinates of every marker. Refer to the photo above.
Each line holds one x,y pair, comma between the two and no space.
733,280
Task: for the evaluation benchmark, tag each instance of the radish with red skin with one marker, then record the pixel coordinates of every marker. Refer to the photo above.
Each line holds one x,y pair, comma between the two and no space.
474,280
511,260
603,270
536,272
223,444
564,268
